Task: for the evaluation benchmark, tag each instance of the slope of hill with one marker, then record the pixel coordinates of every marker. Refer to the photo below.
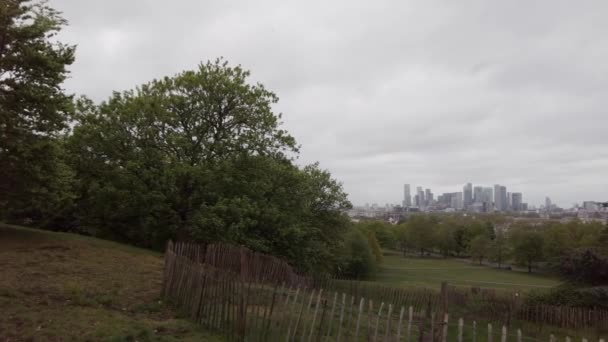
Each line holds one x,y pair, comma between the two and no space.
65,287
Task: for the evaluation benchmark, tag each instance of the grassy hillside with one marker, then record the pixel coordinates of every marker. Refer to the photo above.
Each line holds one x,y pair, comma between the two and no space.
430,272
64,287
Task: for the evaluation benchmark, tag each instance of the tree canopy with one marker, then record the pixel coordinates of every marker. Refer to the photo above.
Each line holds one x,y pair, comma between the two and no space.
33,111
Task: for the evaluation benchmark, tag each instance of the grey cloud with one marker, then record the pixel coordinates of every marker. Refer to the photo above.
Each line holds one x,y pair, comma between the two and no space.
433,93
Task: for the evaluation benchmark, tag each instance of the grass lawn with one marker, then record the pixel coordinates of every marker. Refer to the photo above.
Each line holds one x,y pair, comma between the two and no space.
430,272
65,287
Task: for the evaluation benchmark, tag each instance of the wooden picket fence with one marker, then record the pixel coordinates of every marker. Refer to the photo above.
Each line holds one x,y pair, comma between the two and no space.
262,309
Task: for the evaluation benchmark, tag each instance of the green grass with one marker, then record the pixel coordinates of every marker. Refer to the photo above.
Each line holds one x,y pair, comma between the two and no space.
65,287
430,272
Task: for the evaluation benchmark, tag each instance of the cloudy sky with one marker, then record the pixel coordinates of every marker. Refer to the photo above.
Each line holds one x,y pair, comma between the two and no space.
381,93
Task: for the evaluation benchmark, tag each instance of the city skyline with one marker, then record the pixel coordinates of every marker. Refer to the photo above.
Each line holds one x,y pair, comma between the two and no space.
511,199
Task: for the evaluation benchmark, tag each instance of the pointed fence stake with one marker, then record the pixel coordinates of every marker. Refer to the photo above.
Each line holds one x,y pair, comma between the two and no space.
503,337
399,324
361,306
378,322
460,327
519,337
410,318
489,332
444,334
474,331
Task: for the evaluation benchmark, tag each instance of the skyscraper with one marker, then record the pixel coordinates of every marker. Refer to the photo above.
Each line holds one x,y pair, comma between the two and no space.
500,197
428,196
477,194
497,197
486,199
468,195
516,201
420,195
407,196
548,204
456,200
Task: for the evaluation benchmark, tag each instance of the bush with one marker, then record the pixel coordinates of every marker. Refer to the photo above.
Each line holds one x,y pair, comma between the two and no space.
357,261
588,266
569,295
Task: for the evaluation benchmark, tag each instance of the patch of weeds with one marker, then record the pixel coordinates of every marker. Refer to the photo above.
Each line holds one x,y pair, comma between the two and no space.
154,306
8,293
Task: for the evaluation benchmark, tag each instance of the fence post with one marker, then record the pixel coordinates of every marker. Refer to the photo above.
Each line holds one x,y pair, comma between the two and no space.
474,331
460,326
341,316
489,332
314,317
503,338
444,334
361,305
519,338
331,315
399,324
409,323
378,322
388,322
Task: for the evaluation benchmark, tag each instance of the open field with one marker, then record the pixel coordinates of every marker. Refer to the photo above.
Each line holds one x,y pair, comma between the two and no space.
430,272
65,287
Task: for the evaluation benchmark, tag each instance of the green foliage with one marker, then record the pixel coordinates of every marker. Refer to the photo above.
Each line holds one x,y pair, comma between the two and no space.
201,156
527,246
500,250
585,266
445,240
34,181
569,295
383,231
480,247
421,232
356,258
374,245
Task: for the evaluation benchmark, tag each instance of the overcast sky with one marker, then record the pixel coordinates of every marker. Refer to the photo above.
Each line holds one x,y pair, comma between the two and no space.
382,93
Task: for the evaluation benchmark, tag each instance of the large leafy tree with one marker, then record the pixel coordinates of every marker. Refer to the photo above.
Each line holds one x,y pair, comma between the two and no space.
202,156
33,110
527,245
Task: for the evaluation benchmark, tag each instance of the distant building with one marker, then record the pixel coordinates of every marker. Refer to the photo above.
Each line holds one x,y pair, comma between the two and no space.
477,194
516,201
421,200
428,196
500,197
486,199
467,195
407,197
590,206
456,200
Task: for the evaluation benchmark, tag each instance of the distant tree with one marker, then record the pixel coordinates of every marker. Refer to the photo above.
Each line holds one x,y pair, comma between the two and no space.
499,248
445,240
401,238
490,230
527,246
34,182
356,258
374,245
383,231
421,231
585,266
480,247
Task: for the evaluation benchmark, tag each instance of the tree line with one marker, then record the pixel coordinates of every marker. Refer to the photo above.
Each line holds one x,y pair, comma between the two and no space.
199,155
577,251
